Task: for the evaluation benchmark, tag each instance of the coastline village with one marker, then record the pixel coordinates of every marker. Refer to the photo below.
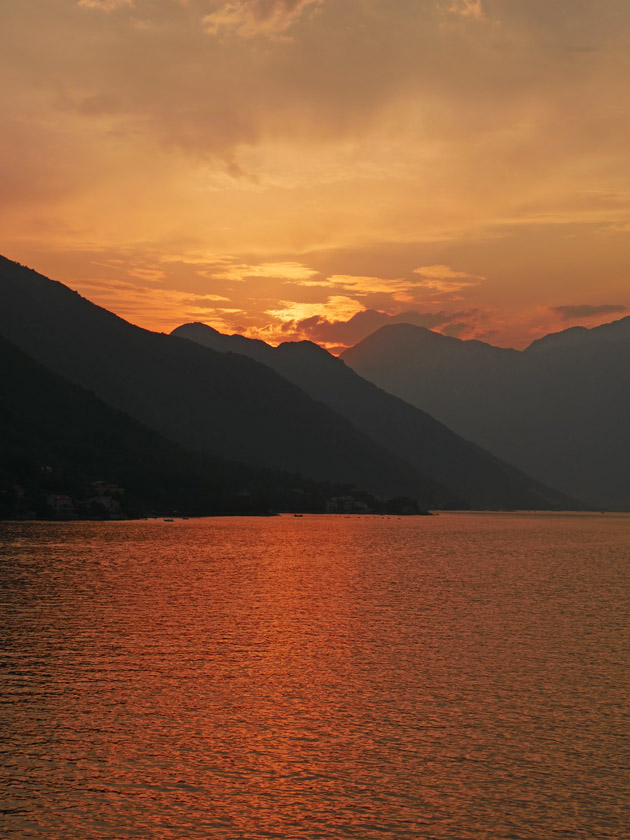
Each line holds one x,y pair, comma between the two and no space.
103,500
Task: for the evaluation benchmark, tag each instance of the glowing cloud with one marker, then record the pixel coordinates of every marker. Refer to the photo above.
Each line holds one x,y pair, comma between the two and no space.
250,18
148,274
468,8
442,278
286,270
367,285
104,5
135,302
336,308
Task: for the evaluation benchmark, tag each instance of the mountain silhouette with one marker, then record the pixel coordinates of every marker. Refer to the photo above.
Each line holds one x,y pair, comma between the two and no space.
559,409
56,437
479,478
223,404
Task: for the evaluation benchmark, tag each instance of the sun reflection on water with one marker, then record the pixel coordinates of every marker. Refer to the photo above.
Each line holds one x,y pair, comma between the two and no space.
454,677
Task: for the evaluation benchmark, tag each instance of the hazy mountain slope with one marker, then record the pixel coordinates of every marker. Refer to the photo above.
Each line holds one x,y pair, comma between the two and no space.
560,409
478,477
616,331
461,383
227,405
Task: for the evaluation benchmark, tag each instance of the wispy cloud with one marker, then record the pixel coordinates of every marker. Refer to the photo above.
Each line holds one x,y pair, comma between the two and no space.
104,5
336,307
149,274
576,313
251,18
164,310
468,8
435,278
293,271
442,278
362,286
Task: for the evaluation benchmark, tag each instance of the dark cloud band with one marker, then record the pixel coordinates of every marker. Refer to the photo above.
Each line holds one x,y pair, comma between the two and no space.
574,313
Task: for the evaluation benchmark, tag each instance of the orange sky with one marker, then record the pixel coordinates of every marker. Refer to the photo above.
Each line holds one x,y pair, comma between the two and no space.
314,168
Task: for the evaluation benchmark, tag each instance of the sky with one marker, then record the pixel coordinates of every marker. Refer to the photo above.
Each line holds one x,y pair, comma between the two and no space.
314,169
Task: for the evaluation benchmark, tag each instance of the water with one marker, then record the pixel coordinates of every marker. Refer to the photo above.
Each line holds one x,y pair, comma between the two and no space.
462,676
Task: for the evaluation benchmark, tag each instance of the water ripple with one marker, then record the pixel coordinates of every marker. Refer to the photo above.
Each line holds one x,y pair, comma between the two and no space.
460,677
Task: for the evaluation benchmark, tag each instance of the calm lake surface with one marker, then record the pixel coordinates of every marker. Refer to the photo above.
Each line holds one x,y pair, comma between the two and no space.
459,676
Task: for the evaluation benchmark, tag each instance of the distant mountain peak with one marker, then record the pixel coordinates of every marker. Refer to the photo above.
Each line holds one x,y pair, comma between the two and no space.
302,347
618,330
414,342
198,325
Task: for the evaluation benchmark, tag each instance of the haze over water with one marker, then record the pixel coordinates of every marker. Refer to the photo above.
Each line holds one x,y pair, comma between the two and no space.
462,676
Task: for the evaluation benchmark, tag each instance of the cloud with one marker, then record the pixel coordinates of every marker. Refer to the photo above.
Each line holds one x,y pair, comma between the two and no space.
442,278
456,330
251,18
365,285
443,272
362,286
335,307
104,5
575,313
150,274
439,278
468,8
164,310
290,271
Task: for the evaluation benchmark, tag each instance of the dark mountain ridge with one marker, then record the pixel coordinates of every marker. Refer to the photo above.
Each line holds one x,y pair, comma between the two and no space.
479,478
58,438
